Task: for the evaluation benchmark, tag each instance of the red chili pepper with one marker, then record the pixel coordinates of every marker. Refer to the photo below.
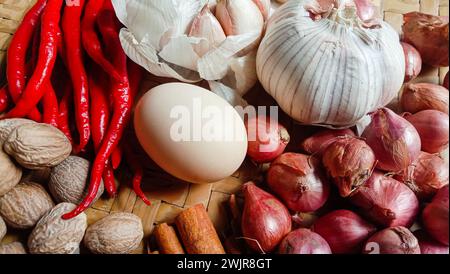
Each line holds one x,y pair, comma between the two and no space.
136,74
4,98
50,106
64,112
121,107
16,71
91,41
116,157
47,56
138,171
100,116
108,178
71,28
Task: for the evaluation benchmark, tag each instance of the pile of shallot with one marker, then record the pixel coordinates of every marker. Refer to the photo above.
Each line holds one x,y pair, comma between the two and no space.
363,194
383,192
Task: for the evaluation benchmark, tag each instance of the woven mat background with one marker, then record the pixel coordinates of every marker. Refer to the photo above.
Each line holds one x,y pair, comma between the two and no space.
169,196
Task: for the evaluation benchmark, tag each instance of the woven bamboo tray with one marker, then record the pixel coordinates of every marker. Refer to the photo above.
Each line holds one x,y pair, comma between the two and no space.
168,195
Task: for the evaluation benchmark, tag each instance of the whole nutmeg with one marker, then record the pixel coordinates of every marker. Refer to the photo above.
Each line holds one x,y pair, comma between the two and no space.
24,205
54,235
2,228
36,146
69,180
12,249
8,125
10,173
118,233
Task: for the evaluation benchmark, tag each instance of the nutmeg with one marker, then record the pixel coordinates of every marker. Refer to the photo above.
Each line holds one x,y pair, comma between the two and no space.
36,146
118,233
12,249
10,173
69,180
2,228
24,205
8,125
54,235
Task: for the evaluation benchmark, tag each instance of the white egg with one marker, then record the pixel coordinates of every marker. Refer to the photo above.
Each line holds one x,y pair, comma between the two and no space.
191,132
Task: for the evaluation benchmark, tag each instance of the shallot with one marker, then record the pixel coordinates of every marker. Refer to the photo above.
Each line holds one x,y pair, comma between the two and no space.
433,129
423,96
394,140
413,62
393,240
344,231
298,181
426,175
349,162
267,139
265,220
429,35
320,141
435,216
429,245
386,201
304,241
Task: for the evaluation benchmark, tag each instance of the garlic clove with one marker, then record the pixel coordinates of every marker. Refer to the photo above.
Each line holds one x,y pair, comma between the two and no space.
239,16
264,7
206,26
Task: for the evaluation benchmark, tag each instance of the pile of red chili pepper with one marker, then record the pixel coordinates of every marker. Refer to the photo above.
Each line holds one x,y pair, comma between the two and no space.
65,62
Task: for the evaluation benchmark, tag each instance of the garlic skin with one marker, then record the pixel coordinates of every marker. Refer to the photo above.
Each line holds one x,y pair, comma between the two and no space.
331,71
239,16
206,26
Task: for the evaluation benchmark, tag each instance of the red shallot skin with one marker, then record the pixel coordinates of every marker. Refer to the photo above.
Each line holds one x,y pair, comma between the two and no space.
265,220
422,96
433,129
386,201
429,245
267,139
429,35
321,140
393,240
344,231
435,216
413,62
349,162
426,175
303,241
394,140
297,179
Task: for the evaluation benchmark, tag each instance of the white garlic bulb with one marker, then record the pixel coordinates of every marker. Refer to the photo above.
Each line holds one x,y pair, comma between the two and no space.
183,39
332,70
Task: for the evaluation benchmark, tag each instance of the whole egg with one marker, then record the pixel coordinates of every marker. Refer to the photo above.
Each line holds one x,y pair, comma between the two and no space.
191,132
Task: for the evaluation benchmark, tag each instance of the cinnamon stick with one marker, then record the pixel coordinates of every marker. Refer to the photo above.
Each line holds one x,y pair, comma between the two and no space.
167,240
197,232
